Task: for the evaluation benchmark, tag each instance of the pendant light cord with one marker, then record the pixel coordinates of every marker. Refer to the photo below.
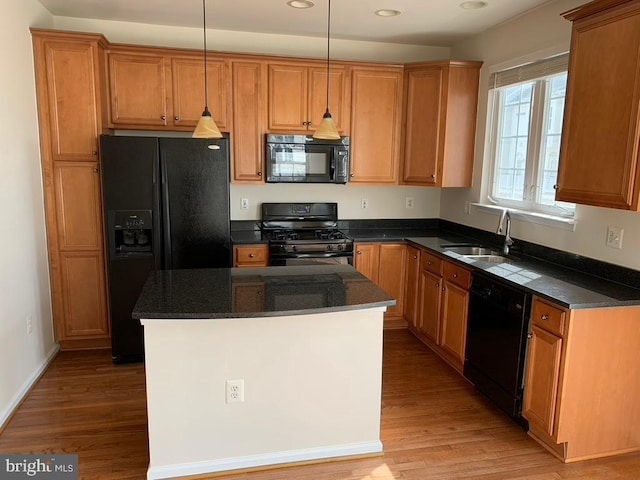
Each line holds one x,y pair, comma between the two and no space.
204,48
328,48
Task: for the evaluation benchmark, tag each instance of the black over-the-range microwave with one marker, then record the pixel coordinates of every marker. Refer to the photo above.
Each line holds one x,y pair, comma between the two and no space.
302,158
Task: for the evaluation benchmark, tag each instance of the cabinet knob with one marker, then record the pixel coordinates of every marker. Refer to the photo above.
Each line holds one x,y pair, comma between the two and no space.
544,317
251,255
443,289
94,153
415,257
359,252
96,170
163,117
455,275
259,174
429,262
556,186
177,119
351,175
433,176
437,285
530,336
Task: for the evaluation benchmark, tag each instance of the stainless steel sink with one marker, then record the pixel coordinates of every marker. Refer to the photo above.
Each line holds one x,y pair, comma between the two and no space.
489,258
472,251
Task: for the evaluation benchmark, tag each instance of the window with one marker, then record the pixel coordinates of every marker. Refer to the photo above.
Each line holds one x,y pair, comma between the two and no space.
526,125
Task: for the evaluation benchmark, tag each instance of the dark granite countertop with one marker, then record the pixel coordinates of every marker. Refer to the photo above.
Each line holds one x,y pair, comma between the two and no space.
564,286
387,234
223,292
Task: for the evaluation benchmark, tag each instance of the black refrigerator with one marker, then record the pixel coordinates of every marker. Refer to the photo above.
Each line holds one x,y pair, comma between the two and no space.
166,203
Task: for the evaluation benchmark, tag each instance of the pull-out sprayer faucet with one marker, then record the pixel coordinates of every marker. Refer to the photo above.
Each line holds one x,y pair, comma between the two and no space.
508,241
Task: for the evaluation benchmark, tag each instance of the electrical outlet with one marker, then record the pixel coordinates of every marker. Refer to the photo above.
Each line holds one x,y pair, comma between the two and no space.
408,202
364,203
244,203
614,237
467,208
235,391
29,324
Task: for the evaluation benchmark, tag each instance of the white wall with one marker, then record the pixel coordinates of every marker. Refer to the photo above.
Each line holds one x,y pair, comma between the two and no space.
24,276
383,202
249,42
534,35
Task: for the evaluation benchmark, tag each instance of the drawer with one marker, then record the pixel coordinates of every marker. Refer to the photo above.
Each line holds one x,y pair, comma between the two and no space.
431,262
251,256
458,275
548,317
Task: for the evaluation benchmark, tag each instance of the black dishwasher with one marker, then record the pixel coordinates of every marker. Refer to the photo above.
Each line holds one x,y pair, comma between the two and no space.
496,346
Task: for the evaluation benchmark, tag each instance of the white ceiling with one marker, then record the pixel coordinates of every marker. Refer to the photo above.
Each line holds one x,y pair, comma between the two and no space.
422,22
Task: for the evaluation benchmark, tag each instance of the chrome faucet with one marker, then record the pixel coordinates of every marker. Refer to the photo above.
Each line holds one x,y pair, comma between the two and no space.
508,241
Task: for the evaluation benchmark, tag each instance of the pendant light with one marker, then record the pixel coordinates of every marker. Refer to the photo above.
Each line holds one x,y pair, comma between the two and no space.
327,129
206,127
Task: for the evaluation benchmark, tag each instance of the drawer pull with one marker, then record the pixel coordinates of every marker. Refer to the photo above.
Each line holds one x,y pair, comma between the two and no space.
415,257
437,285
544,317
455,275
251,255
429,262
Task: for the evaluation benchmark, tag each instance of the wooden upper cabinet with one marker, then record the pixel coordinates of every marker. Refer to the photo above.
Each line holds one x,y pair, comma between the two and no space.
298,96
138,88
187,75
376,105
249,105
601,131
70,80
77,197
440,102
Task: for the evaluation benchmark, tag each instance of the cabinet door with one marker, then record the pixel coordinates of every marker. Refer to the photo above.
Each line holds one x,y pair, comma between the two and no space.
138,89
376,103
392,275
83,287
187,76
413,282
453,334
71,89
248,298
599,152
430,302
338,97
249,105
366,260
77,198
423,127
288,97
542,376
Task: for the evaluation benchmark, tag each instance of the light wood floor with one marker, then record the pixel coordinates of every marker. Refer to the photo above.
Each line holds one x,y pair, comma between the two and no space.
434,426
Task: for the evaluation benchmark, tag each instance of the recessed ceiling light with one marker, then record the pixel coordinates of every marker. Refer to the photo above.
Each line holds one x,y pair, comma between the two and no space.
300,3
387,13
473,5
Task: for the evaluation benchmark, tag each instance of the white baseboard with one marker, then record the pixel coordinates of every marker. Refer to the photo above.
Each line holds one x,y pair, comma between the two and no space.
22,392
251,461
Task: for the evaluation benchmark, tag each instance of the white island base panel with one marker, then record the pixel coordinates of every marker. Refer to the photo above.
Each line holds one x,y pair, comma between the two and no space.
312,390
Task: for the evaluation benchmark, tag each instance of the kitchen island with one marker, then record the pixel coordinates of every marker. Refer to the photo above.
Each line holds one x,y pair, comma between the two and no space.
248,368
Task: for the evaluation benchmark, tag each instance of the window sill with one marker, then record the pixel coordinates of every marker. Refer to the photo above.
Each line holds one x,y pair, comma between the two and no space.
564,223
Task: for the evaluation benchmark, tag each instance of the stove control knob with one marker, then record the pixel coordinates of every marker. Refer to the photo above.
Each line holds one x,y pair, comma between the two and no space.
340,247
294,249
329,247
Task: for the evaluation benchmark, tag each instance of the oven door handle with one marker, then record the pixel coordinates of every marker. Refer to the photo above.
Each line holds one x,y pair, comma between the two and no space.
318,255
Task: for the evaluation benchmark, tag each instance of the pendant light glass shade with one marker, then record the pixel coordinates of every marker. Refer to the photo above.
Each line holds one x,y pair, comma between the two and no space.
206,127
327,129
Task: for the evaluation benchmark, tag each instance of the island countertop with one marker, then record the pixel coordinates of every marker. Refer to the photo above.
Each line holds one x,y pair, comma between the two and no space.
262,292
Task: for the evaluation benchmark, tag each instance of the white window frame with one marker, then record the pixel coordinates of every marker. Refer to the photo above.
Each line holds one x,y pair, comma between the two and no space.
538,73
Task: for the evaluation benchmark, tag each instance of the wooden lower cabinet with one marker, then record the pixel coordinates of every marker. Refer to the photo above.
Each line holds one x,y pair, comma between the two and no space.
385,265
581,383
442,307
251,256
411,295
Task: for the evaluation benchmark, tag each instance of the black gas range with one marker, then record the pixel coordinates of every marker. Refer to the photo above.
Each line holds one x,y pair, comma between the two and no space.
305,233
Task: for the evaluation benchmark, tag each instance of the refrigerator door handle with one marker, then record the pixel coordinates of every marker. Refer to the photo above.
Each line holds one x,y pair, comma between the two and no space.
166,217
